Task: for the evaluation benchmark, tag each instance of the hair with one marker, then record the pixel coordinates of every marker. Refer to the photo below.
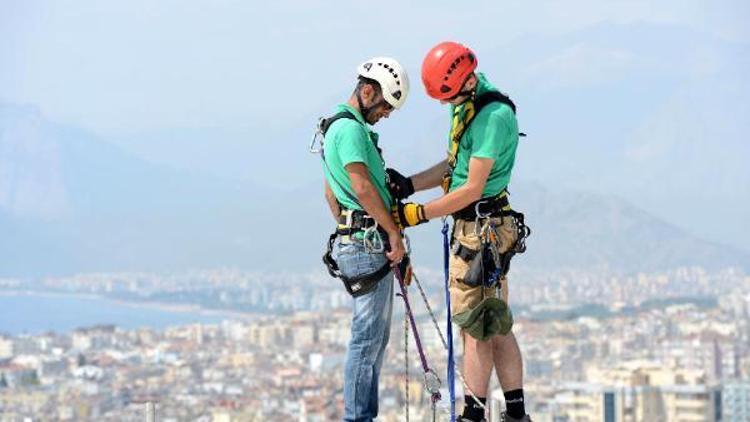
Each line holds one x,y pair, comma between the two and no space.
362,81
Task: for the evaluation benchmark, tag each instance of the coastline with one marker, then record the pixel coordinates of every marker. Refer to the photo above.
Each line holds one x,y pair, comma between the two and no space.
160,306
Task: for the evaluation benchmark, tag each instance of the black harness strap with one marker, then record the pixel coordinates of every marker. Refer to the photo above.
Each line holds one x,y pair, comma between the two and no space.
326,123
356,286
495,97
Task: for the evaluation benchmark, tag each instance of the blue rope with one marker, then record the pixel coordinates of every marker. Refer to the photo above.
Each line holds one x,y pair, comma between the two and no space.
451,368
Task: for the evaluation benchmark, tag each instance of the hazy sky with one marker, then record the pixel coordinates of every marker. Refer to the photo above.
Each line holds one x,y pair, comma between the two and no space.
133,66
644,99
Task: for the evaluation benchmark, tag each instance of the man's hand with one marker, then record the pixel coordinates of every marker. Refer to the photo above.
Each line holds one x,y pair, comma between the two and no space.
396,250
405,269
408,214
400,186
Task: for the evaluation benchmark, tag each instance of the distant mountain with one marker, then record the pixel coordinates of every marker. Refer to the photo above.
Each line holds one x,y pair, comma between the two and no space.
653,112
588,230
70,202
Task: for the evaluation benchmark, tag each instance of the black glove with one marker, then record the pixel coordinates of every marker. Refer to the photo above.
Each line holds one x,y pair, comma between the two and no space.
400,186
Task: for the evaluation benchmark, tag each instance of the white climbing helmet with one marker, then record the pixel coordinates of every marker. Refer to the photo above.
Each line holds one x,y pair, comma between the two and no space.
392,77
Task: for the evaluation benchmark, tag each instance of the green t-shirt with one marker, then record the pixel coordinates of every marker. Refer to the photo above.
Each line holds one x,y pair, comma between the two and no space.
348,141
492,134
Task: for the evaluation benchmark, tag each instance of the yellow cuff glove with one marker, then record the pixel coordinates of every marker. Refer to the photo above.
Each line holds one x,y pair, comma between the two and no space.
408,214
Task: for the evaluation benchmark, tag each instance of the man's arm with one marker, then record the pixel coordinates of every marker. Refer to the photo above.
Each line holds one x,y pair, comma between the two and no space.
370,199
430,178
333,204
479,171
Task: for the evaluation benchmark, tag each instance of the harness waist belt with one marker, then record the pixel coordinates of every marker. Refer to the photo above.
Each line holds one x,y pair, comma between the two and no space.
352,221
493,207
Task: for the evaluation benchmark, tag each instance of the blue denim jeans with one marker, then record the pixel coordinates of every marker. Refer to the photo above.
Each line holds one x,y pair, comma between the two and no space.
371,328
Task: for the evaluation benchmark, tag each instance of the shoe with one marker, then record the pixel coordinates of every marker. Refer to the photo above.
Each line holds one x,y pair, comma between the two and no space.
462,419
506,418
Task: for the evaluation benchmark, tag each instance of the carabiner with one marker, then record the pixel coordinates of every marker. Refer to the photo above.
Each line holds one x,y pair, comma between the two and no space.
479,216
318,133
373,247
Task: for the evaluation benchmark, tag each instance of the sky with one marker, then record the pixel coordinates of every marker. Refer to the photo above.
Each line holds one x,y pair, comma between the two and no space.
137,66
623,97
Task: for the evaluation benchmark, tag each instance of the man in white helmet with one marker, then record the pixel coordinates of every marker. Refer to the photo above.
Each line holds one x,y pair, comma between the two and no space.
357,193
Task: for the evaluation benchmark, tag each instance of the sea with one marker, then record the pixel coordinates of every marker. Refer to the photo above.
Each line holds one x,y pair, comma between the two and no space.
35,313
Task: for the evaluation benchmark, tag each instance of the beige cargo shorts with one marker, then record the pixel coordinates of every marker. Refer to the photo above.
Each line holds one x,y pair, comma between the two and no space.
465,297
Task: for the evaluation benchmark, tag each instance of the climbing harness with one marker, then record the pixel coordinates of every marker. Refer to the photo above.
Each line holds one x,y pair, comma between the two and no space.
487,265
351,222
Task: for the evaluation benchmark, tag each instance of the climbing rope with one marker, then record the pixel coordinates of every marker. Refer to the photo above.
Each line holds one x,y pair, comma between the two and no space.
443,340
406,361
431,380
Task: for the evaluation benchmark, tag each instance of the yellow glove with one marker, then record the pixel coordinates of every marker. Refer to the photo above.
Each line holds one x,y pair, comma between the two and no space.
408,214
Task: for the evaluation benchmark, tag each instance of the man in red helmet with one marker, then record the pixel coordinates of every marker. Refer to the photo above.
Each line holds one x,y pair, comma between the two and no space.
486,231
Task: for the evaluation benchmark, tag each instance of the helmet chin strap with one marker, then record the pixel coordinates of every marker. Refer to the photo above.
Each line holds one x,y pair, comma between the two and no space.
469,94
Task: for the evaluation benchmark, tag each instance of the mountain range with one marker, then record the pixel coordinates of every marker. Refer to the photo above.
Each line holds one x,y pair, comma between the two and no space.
73,202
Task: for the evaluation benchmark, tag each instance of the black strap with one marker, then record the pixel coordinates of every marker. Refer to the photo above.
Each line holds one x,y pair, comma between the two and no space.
326,123
493,97
323,127
464,252
356,286
492,206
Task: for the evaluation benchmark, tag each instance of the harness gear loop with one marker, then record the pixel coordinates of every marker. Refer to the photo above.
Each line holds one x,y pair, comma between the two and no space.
480,229
376,245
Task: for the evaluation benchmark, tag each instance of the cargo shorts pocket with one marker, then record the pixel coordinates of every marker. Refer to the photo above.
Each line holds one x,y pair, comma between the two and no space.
464,296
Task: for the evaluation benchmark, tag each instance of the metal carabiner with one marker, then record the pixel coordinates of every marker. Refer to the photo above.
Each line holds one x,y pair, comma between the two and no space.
480,216
432,383
373,247
318,133
407,244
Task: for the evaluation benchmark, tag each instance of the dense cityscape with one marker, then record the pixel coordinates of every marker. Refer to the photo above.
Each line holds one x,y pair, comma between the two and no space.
671,346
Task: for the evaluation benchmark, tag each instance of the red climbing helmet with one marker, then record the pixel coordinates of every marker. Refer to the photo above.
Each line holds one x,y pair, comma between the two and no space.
445,69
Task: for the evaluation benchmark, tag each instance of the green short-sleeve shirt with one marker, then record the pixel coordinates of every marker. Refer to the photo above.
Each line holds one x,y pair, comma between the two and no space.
348,141
492,134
